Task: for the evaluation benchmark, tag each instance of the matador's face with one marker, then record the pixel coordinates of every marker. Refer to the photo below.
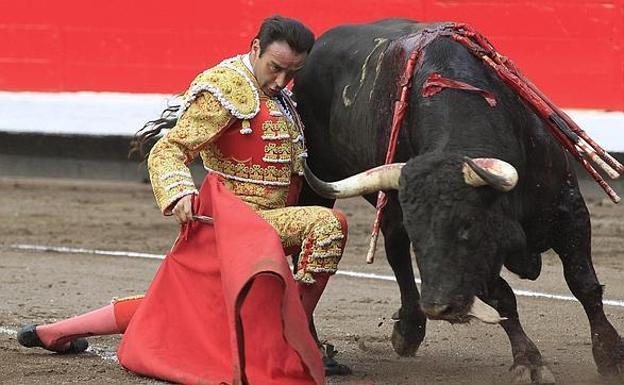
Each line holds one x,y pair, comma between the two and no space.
277,65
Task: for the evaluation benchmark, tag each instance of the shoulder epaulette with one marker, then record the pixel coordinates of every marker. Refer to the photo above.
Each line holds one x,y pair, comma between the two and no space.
231,84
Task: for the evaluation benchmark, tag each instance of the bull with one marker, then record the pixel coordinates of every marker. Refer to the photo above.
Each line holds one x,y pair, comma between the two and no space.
481,186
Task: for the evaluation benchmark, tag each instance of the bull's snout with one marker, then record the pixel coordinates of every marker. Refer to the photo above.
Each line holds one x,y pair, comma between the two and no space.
437,311
461,313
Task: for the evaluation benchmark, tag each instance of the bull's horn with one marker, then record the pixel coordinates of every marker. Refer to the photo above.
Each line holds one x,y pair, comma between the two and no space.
384,177
490,171
484,312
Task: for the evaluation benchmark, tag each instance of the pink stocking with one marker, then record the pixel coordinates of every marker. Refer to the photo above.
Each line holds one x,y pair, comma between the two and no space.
110,319
311,293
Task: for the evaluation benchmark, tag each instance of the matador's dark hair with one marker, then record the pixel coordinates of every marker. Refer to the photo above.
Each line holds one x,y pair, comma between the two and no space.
279,28
146,136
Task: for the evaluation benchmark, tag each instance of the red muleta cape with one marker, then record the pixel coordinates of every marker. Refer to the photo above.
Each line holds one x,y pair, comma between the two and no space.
223,307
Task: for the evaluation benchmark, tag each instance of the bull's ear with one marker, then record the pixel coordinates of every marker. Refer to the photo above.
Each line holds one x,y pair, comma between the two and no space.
492,172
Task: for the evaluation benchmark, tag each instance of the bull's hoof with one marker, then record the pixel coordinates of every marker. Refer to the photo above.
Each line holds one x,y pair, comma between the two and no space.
408,335
609,359
525,375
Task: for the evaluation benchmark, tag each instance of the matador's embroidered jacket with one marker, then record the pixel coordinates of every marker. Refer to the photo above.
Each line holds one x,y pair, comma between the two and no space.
254,142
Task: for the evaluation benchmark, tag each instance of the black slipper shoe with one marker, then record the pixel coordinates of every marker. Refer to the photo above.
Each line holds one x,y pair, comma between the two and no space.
332,367
27,337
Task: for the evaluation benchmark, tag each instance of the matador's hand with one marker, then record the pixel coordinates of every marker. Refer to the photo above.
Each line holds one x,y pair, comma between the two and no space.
183,209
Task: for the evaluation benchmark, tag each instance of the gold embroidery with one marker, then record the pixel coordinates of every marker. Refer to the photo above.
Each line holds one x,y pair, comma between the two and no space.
246,127
256,172
202,122
316,230
277,129
272,105
231,83
277,153
298,152
214,160
259,197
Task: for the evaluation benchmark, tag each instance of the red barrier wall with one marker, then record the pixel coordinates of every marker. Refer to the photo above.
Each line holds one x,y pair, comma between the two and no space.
572,49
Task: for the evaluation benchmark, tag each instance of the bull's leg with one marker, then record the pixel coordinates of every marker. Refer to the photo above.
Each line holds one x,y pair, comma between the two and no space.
574,248
528,366
409,330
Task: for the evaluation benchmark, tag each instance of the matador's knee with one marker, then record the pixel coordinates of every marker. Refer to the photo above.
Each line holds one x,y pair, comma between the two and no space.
322,248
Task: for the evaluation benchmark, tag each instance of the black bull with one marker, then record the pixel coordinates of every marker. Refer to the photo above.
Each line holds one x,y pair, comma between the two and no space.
461,235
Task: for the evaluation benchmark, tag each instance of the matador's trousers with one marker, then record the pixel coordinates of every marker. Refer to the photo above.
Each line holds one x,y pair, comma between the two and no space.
319,232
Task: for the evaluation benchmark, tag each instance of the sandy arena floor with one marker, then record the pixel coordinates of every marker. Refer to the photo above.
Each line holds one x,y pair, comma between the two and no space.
354,313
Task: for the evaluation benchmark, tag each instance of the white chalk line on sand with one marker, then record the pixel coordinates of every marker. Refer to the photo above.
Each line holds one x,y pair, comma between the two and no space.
103,353
354,274
11,332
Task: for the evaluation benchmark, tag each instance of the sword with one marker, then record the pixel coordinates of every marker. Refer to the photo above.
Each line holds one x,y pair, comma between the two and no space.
203,219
